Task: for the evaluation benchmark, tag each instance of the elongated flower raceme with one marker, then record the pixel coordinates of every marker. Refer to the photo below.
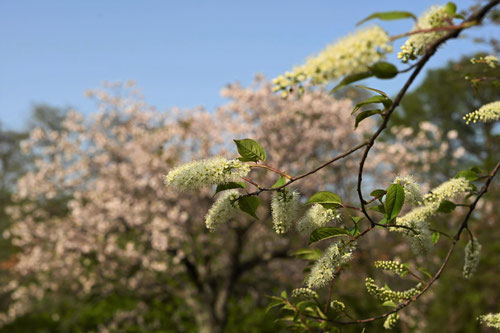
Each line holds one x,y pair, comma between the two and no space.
490,320
413,192
435,17
472,256
349,55
284,209
223,209
486,113
317,217
391,321
419,235
197,174
304,293
324,269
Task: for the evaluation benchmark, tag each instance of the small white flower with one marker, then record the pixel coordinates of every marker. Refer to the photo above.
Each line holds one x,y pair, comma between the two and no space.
486,113
196,174
223,209
491,320
416,45
284,209
324,269
317,217
472,256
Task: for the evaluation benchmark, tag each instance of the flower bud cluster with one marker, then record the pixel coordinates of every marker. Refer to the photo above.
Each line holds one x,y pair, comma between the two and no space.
223,209
391,321
197,174
413,192
284,209
489,60
416,45
337,306
317,217
390,265
302,293
324,269
472,256
486,113
491,320
349,55
386,294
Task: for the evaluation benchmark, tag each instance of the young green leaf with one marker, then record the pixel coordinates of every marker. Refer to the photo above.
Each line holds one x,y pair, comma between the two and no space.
280,182
468,174
229,186
373,100
249,205
324,197
350,79
373,89
394,201
384,70
435,237
308,254
365,114
250,150
378,193
327,232
390,304
446,207
451,8
388,16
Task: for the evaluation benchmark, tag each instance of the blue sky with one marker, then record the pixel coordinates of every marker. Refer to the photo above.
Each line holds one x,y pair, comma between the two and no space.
181,53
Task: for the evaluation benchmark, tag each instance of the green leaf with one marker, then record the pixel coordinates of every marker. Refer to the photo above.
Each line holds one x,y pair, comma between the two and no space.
249,205
379,208
327,232
394,201
365,114
350,79
451,8
372,100
373,89
384,70
308,254
280,182
426,272
250,150
390,304
274,304
324,197
467,174
283,294
229,186
446,207
357,219
388,16
435,237
378,193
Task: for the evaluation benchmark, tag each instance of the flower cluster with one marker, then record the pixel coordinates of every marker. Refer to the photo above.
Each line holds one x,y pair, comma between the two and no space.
472,253
435,17
223,209
416,220
413,192
486,113
197,174
337,306
386,294
284,208
491,320
324,269
302,293
349,55
489,60
390,265
391,321
316,217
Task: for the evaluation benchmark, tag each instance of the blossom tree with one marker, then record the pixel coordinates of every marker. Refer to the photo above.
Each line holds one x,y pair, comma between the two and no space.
122,232
401,207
